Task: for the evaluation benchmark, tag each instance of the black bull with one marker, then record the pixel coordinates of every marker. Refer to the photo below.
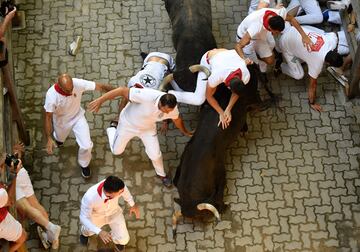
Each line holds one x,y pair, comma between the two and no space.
200,178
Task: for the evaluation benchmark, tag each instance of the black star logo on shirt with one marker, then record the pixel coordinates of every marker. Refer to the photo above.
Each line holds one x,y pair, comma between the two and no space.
147,80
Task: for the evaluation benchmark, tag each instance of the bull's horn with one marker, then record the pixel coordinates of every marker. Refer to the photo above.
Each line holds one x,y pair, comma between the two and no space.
175,217
211,208
165,82
198,68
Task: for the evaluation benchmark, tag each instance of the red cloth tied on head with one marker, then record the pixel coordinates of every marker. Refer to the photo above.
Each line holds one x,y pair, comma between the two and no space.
268,14
60,91
237,73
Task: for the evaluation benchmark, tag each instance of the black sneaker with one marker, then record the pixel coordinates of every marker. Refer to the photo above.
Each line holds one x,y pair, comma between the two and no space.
85,172
84,240
59,144
114,124
166,181
119,247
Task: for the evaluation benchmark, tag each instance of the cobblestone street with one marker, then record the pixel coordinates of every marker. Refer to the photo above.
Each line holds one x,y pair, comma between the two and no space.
293,181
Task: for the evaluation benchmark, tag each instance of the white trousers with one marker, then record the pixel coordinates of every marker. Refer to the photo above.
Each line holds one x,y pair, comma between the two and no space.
119,232
198,97
261,48
292,66
82,135
119,138
334,17
313,14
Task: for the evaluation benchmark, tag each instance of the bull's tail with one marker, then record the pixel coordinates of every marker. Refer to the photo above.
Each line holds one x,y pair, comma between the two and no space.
211,208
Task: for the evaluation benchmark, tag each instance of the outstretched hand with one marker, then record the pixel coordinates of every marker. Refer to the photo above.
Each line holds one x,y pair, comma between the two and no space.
135,210
19,149
95,105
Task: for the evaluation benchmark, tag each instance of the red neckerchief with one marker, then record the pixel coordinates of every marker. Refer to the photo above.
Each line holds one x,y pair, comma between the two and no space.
137,85
99,190
268,14
60,91
3,210
236,73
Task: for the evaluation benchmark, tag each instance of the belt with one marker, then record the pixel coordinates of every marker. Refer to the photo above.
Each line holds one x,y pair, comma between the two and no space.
337,43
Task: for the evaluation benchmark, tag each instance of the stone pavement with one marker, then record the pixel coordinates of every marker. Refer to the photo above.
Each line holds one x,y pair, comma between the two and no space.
293,180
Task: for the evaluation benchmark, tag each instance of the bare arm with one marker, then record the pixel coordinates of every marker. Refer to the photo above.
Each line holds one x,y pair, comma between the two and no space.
48,131
103,87
241,44
305,38
213,103
95,105
4,25
211,100
179,123
124,101
312,95
233,99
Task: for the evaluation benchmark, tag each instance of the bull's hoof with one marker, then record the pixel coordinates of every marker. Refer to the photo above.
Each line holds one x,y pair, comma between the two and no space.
174,233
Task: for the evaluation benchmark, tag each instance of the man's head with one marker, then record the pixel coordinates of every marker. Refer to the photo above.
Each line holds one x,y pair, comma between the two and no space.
276,24
167,103
113,186
334,59
65,83
236,85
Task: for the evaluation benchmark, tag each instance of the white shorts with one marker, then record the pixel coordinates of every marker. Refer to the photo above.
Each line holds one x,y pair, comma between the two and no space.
165,56
119,232
24,188
10,228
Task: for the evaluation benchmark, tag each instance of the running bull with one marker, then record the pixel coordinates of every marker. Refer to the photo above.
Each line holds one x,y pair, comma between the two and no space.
200,178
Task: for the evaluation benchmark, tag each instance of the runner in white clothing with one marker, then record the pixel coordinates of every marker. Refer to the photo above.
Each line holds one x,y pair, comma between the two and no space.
29,206
323,50
64,113
10,229
226,67
156,65
305,11
254,34
138,118
100,207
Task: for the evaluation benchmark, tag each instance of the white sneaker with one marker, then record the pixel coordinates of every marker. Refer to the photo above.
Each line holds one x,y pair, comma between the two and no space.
43,237
75,46
53,235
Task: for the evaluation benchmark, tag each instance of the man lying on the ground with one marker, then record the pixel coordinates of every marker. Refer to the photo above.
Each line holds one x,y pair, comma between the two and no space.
156,65
324,50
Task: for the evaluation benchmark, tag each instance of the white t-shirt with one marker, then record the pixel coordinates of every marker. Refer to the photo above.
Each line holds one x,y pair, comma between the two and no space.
142,112
291,43
94,205
223,63
66,109
3,197
255,3
150,76
254,23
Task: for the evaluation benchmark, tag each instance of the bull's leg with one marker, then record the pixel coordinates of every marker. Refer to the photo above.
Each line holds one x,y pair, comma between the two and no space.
177,214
